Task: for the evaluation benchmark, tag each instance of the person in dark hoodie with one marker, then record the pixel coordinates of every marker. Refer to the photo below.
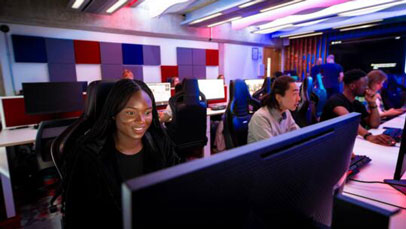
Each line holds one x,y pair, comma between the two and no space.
126,141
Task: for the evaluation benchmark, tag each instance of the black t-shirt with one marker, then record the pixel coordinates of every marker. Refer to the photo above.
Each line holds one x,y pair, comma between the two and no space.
130,166
340,100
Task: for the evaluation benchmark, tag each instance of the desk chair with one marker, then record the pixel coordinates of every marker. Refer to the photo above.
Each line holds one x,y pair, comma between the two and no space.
188,126
321,93
47,132
305,114
63,145
265,89
237,115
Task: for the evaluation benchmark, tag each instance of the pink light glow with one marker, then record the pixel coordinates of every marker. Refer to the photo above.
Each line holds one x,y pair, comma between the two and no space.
283,12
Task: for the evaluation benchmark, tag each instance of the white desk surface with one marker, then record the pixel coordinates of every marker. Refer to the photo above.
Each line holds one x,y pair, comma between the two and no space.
17,136
382,166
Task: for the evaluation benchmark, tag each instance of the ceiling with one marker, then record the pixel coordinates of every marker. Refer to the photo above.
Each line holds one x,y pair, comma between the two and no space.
281,18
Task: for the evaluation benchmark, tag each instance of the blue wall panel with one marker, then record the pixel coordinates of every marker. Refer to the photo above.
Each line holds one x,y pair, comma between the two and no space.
60,51
132,54
29,49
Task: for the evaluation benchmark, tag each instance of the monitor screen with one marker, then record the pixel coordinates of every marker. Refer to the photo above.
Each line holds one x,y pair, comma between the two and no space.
254,85
161,91
397,183
53,97
212,88
283,181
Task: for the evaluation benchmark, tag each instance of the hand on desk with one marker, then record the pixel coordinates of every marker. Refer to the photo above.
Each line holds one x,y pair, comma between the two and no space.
393,112
382,139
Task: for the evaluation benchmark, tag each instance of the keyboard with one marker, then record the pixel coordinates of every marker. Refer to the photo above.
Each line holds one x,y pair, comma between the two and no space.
217,107
357,163
395,133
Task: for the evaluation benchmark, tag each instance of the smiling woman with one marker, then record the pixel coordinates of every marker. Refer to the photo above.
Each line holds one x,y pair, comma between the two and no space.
121,145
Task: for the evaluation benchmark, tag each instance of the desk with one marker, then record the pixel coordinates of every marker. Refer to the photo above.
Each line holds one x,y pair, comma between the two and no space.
11,138
382,166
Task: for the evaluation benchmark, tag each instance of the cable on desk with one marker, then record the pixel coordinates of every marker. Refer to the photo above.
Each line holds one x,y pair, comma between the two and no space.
375,182
379,201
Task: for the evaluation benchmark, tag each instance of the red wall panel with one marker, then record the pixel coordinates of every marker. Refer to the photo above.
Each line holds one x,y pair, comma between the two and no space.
167,72
87,52
212,57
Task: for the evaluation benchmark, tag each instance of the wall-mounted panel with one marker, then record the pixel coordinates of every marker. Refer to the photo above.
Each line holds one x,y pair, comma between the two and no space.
29,49
111,71
212,57
168,72
185,71
199,72
62,72
60,51
184,56
111,53
132,54
199,56
151,55
87,52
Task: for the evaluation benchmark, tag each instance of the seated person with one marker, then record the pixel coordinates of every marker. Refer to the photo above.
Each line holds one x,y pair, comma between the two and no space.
166,115
126,141
127,74
376,78
355,84
274,117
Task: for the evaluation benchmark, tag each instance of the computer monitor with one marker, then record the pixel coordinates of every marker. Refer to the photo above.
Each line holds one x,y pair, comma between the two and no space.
161,91
53,97
254,85
397,181
212,88
287,180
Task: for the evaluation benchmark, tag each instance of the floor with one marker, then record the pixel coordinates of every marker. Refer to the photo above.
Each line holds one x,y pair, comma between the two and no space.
33,207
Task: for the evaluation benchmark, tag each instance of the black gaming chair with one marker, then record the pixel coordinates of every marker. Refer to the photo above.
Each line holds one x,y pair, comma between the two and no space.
97,93
265,89
237,115
305,114
188,126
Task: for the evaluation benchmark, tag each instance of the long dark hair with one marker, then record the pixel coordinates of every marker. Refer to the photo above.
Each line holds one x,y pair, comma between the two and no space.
105,126
279,86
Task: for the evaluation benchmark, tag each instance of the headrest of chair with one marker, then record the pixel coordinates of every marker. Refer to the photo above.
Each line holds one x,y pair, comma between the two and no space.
241,97
97,93
190,89
267,85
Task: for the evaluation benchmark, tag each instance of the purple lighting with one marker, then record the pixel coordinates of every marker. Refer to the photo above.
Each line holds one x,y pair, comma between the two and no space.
283,12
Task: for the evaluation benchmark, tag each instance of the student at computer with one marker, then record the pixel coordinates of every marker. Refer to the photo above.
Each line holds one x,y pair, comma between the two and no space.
166,115
274,117
355,84
376,78
126,141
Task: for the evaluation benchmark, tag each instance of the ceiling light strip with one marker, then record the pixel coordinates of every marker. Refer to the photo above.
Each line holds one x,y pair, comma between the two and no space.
225,21
205,18
115,6
77,4
358,27
281,5
250,3
273,29
362,23
295,36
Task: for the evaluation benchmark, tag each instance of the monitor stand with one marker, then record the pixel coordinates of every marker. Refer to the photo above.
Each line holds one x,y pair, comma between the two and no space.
400,185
